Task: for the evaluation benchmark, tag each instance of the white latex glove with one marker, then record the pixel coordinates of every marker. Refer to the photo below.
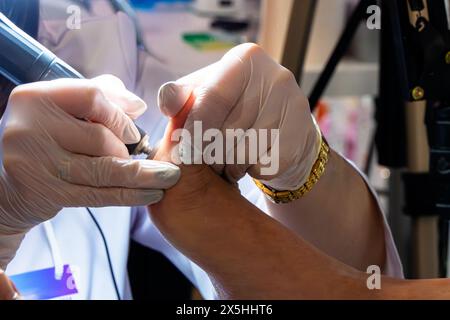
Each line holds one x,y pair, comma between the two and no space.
52,160
247,89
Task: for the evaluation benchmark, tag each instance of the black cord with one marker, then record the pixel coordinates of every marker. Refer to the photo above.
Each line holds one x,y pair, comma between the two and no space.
108,255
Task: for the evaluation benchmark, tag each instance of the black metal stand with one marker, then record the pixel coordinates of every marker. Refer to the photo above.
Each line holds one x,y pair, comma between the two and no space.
338,52
414,73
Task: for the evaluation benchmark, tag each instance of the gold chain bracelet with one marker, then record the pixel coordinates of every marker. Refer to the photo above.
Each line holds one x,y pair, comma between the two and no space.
317,171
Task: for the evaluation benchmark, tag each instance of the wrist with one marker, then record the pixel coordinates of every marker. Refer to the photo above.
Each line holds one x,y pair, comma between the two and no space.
11,235
298,169
10,215
316,173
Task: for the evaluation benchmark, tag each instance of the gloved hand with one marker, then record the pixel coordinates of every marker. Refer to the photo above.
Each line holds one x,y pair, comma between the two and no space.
53,160
246,90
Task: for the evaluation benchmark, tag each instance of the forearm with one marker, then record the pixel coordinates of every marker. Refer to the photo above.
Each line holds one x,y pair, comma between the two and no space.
431,289
339,216
248,254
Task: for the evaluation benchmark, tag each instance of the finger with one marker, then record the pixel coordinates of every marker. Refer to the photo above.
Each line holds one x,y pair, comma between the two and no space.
218,91
86,138
117,93
224,83
214,100
216,87
246,153
173,95
113,197
114,172
217,95
7,291
86,99
167,149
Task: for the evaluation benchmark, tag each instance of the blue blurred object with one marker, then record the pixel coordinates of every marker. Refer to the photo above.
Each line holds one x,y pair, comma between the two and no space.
151,4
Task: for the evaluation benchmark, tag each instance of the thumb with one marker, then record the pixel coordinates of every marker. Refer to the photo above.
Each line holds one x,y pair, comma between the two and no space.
172,97
167,144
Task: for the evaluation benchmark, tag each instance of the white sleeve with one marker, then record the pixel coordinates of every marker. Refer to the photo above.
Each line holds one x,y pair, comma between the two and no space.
393,266
144,232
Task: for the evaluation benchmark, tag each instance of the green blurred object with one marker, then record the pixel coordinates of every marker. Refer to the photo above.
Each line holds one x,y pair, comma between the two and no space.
206,42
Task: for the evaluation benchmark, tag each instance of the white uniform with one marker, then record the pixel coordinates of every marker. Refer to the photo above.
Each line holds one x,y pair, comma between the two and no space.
106,43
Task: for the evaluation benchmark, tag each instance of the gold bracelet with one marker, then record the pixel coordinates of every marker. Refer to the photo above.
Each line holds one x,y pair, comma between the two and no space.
317,171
